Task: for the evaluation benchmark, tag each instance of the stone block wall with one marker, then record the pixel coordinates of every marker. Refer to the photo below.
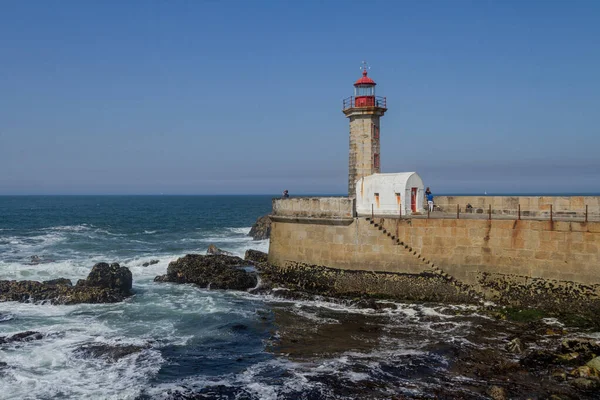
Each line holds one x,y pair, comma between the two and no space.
466,249
313,207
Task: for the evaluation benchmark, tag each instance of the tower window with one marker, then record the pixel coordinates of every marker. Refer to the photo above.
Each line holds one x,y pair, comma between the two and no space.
375,131
376,160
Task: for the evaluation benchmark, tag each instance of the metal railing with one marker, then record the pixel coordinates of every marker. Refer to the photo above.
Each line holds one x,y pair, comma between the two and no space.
376,101
549,213
457,211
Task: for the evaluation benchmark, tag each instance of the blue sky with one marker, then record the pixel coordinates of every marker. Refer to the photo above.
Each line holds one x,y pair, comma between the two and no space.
242,97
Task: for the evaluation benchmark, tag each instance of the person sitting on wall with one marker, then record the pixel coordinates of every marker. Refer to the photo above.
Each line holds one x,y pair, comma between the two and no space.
286,195
429,200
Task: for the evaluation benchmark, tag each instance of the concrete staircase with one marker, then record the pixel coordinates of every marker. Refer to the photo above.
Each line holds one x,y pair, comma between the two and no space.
429,263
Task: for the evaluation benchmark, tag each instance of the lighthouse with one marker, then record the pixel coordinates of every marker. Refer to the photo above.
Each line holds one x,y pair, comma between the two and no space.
364,111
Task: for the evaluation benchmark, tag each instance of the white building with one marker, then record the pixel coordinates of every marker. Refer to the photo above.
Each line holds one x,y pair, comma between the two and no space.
390,194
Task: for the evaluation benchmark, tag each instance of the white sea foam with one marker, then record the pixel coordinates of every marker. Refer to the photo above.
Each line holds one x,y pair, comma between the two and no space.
70,269
242,231
69,228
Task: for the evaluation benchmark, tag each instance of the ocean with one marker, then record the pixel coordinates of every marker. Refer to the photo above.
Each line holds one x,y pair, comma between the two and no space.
202,344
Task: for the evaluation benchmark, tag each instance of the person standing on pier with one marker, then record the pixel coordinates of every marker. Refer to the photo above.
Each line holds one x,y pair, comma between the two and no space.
429,197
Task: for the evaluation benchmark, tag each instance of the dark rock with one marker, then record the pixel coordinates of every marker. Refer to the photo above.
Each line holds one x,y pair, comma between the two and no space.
59,281
110,352
111,276
35,259
261,229
151,262
538,359
214,250
255,256
3,365
586,347
374,304
586,384
27,336
210,271
105,284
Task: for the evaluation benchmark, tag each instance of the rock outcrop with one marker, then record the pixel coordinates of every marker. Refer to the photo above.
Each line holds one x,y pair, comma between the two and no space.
108,351
214,250
27,336
149,263
104,284
261,229
255,256
210,271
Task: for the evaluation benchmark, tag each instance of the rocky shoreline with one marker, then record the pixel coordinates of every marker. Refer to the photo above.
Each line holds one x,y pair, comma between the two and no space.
556,361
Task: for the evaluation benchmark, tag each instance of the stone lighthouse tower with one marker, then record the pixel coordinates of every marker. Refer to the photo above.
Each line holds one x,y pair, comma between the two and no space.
364,110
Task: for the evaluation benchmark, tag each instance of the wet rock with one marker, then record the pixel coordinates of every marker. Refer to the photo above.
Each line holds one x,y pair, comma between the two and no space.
26,336
3,365
559,375
585,372
214,250
594,363
586,384
538,358
586,347
261,229
515,346
59,281
497,393
210,271
105,284
255,256
149,263
107,351
111,276
374,304
35,259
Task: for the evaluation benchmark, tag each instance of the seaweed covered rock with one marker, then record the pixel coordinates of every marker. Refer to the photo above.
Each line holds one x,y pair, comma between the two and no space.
111,276
210,271
108,351
255,256
261,229
214,250
105,284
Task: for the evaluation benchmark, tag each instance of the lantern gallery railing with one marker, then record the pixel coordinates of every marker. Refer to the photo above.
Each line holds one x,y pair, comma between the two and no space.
364,101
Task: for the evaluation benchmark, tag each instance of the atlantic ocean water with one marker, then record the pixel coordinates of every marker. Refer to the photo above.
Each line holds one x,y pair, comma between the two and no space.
208,344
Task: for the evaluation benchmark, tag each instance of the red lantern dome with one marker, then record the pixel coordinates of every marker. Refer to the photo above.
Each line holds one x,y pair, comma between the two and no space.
365,80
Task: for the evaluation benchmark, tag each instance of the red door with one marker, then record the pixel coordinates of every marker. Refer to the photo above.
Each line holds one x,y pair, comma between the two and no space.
413,199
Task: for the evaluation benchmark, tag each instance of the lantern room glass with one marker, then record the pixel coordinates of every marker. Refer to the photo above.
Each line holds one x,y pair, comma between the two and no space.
364,90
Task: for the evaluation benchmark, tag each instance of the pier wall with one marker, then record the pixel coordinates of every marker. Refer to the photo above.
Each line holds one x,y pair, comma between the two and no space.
490,256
